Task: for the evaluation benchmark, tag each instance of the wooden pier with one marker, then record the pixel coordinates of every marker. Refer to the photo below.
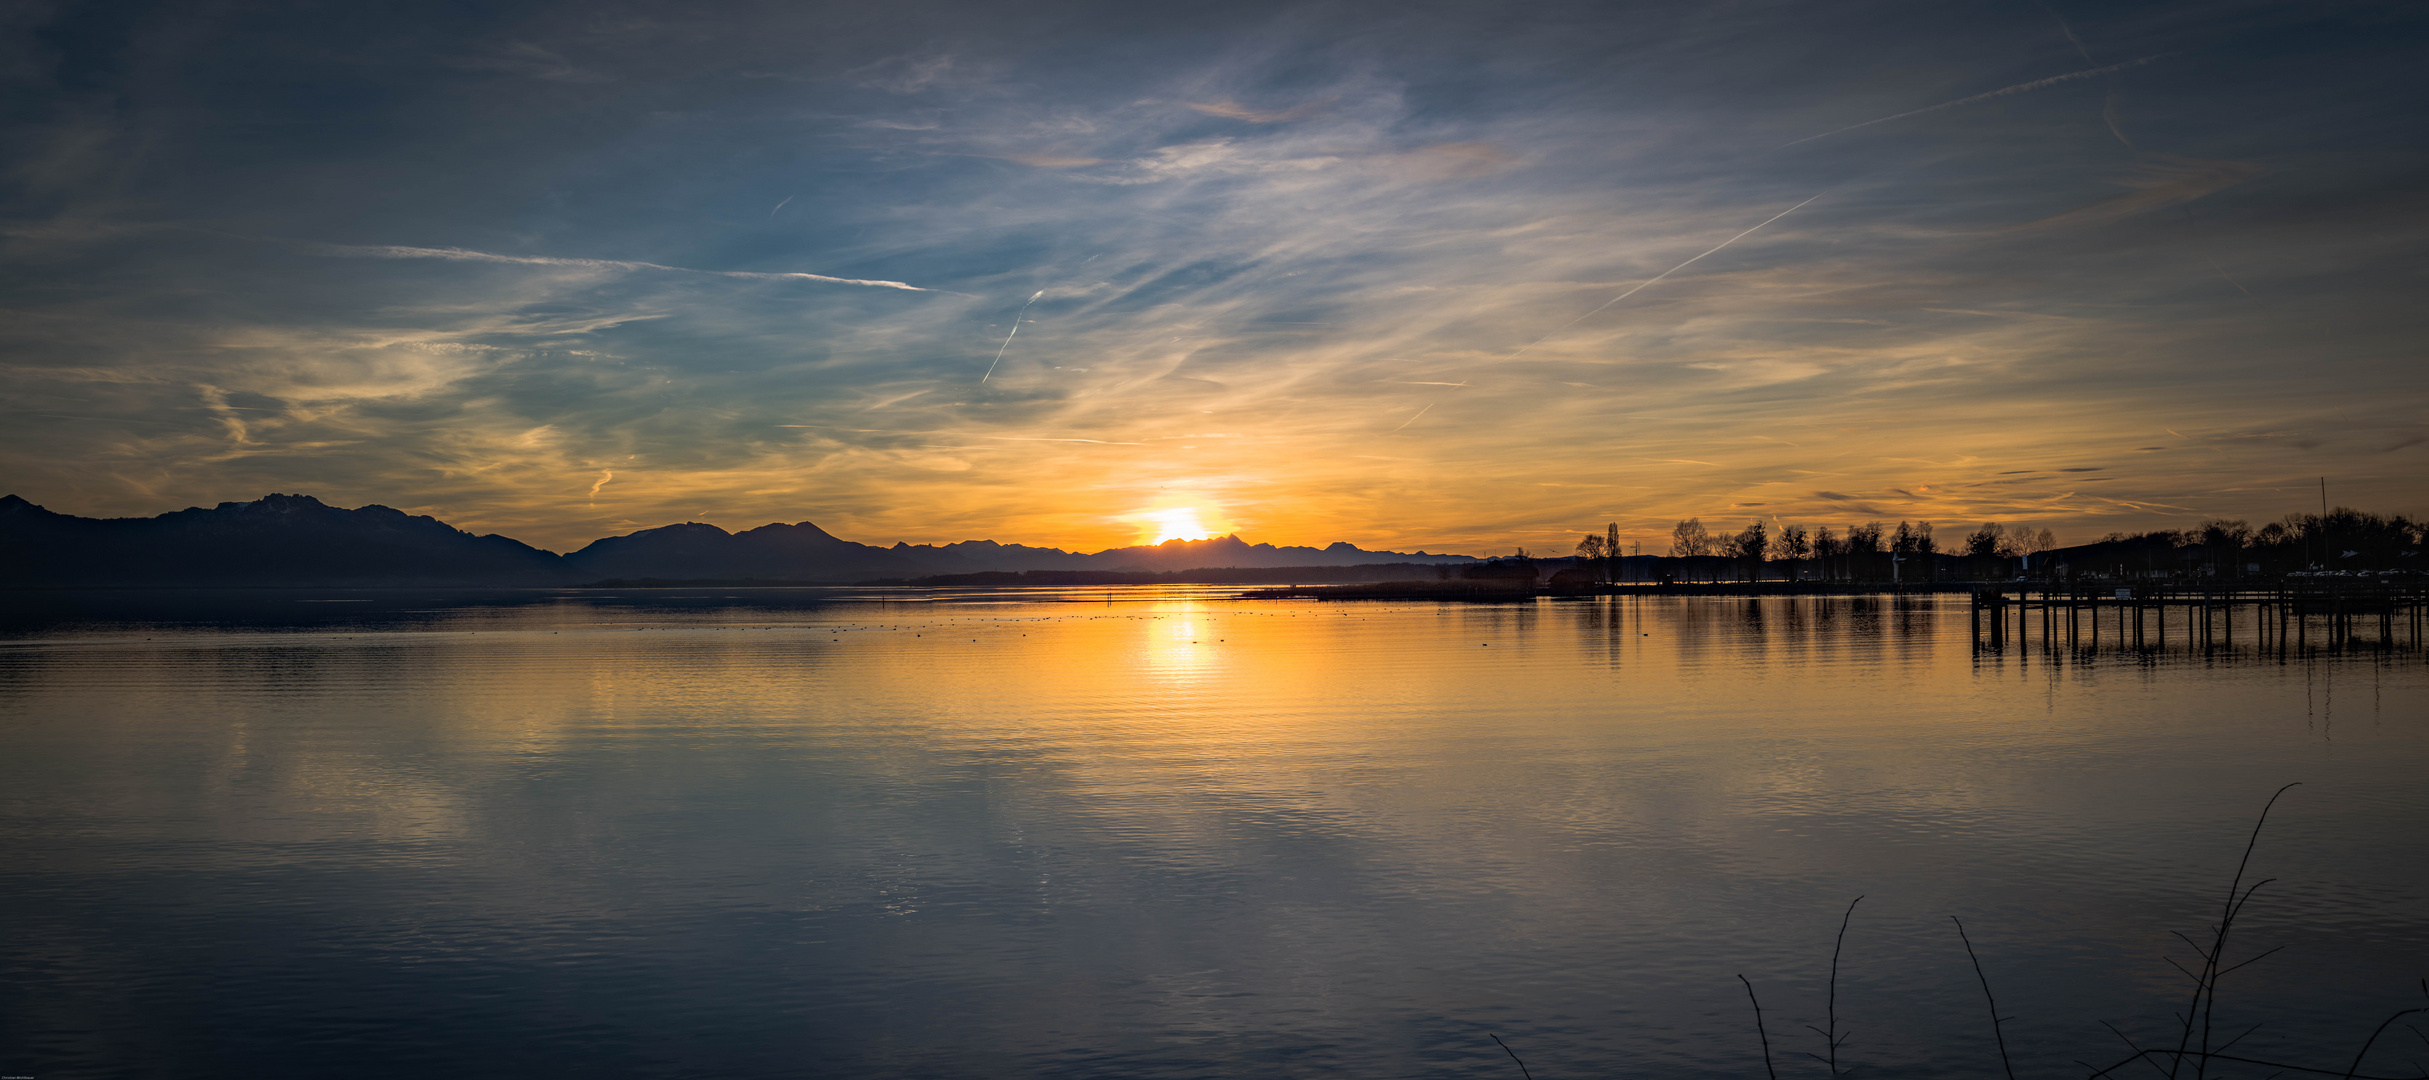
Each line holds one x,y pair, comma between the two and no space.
2330,615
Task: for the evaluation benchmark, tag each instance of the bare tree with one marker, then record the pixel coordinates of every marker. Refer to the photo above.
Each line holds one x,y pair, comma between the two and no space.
1688,539
1792,546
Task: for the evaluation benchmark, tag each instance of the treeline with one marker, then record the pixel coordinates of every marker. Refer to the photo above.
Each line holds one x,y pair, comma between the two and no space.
2343,540
1872,551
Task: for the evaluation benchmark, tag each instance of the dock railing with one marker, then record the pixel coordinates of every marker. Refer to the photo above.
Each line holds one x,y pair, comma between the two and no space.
2299,615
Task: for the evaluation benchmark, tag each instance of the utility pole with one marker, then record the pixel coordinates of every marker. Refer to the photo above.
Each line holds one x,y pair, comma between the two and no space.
2323,523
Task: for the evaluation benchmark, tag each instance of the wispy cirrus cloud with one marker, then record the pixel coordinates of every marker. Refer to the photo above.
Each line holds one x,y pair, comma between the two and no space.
2004,91
1233,110
393,251
2156,184
1279,231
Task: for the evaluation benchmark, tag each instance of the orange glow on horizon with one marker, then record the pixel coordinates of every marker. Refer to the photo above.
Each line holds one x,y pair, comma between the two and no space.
1178,523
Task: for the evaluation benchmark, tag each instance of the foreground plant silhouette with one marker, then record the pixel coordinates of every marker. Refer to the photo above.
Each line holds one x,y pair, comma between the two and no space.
2198,1017
1831,1039
2196,1046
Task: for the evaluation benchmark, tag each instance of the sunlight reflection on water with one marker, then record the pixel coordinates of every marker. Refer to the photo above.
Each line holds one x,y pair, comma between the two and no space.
1158,833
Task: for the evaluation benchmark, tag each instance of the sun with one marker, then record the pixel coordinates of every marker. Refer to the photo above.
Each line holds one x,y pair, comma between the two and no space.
1178,523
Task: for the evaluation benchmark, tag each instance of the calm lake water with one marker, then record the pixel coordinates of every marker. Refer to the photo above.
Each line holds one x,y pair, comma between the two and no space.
1167,833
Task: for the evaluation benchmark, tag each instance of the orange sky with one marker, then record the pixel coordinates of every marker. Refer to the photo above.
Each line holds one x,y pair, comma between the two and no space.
1437,281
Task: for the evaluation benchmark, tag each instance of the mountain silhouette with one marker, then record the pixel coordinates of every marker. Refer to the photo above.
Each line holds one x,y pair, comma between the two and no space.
693,551
297,540
273,540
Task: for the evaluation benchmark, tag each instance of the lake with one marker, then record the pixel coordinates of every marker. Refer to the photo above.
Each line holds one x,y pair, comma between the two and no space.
1164,832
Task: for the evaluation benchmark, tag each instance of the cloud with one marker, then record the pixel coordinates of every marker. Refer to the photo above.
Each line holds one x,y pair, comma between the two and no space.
1232,110
1303,278
1444,161
390,251
908,74
530,61
1051,161
2004,91
2157,184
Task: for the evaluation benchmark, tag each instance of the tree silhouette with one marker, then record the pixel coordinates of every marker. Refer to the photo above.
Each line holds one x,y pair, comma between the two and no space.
1988,542
1748,547
1912,544
1792,546
1688,539
1864,550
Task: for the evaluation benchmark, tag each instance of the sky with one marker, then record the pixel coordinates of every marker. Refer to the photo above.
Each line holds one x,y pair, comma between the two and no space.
1451,276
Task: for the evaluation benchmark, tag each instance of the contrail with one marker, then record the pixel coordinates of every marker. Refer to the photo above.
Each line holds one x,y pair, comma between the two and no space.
369,251
2108,109
2069,31
2001,92
780,205
1657,277
1016,328
1640,287
2231,281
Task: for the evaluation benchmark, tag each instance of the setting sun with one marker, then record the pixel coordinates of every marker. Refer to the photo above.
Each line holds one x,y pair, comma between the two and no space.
1179,523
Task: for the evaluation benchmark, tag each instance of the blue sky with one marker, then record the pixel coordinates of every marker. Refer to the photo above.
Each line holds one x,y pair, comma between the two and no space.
1312,272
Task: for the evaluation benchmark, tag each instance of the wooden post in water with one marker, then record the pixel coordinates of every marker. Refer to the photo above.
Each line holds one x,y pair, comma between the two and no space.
2022,639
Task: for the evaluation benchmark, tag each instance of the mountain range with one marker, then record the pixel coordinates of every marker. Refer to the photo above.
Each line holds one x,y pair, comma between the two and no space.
297,540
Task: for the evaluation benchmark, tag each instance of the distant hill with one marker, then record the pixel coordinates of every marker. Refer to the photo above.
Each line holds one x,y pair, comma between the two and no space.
1226,575
273,540
693,551
979,556
297,540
